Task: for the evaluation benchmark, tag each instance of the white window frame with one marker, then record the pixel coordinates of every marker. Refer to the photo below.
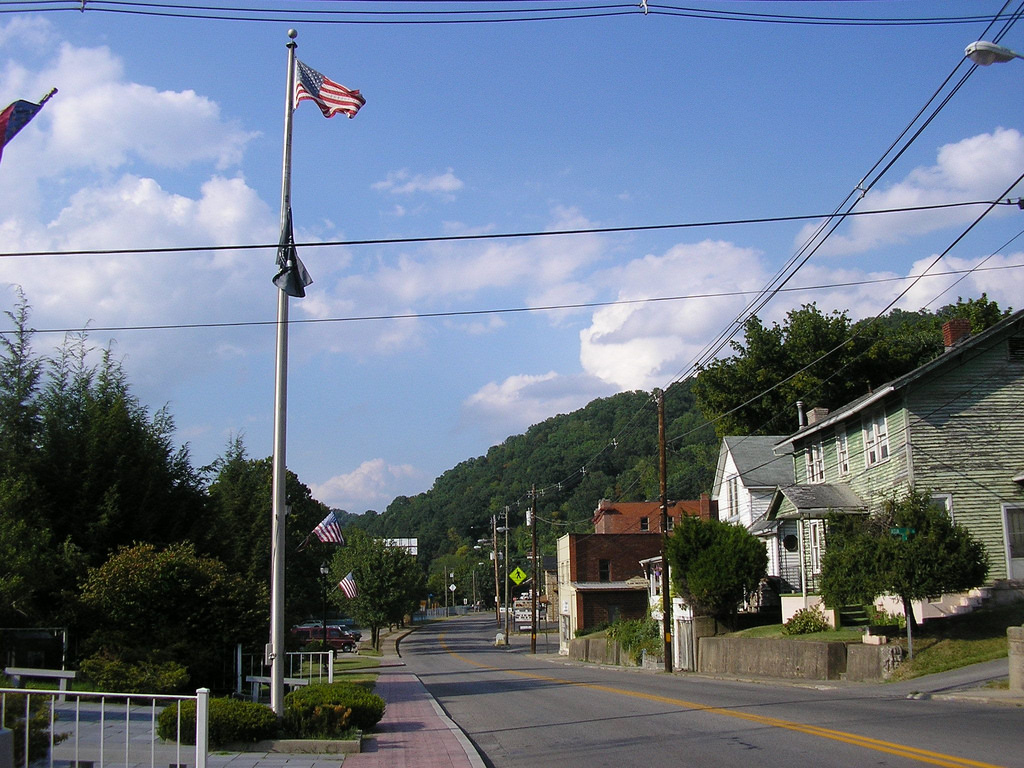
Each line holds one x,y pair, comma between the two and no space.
876,439
816,534
842,452
1011,554
733,489
814,457
944,501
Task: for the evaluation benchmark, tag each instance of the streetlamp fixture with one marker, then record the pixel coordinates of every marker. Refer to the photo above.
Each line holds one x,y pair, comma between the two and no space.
324,572
984,53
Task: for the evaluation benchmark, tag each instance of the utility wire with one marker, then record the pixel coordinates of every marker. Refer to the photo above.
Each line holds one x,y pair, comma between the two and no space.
457,13
500,235
512,310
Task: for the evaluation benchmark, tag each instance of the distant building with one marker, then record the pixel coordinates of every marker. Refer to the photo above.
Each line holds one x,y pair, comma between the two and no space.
409,545
645,516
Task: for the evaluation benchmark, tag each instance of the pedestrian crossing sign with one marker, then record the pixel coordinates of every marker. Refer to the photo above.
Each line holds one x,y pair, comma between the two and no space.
518,576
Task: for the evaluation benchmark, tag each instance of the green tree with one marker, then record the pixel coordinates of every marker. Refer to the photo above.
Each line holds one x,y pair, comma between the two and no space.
113,475
390,582
172,605
715,565
910,548
238,531
20,376
822,359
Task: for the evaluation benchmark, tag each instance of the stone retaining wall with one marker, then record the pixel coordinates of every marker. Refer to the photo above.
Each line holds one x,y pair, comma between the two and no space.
771,657
768,657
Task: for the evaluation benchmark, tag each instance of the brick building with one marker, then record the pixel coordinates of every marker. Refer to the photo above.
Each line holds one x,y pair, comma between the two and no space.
645,516
600,579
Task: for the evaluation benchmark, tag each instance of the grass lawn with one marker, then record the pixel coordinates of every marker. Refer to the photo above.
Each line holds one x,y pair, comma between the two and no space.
775,630
957,641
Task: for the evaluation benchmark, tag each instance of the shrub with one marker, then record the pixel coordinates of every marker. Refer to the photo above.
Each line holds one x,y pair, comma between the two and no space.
38,726
591,630
231,721
882,616
805,621
327,710
636,636
116,675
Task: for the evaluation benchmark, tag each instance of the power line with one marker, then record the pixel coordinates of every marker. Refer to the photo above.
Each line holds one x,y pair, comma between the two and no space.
507,11
503,235
506,310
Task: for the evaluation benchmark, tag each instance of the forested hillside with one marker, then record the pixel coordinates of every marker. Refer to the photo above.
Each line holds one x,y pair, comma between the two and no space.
609,449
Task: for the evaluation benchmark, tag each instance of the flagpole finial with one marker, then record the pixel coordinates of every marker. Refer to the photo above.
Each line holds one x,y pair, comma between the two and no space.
292,34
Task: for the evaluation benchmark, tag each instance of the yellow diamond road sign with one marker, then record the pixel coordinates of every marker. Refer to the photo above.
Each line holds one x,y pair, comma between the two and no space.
518,576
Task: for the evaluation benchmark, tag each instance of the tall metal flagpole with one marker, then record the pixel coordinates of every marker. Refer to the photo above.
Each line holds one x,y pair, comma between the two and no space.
279,505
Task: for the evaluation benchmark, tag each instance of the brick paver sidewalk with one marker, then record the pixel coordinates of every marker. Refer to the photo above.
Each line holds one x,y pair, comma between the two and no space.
414,732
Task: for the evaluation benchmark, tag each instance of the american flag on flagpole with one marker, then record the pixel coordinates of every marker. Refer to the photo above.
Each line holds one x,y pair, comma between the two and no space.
348,586
329,530
327,94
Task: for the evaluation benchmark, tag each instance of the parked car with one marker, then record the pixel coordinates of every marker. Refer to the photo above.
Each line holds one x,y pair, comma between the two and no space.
337,638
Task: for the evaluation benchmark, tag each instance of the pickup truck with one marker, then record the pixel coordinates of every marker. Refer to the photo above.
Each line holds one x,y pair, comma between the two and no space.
337,638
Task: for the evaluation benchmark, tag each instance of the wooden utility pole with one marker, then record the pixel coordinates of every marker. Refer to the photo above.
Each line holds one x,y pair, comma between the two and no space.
533,592
666,598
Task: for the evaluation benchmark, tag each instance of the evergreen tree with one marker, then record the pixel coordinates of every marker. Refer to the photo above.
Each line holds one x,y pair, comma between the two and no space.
715,565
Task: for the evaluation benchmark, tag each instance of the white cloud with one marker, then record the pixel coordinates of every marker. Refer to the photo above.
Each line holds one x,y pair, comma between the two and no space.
643,345
404,183
976,168
1004,286
372,485
500,409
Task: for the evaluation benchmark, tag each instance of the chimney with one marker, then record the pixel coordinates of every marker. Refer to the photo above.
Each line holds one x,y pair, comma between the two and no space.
816,415
801,418
708,508
953,331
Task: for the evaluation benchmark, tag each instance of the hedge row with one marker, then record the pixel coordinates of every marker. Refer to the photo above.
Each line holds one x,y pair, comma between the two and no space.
316,711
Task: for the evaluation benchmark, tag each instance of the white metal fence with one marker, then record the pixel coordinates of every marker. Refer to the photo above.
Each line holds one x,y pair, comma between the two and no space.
312,666
97,730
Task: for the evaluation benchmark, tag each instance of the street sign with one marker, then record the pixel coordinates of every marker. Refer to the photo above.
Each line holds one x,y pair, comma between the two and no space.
451,587
518,576
903,533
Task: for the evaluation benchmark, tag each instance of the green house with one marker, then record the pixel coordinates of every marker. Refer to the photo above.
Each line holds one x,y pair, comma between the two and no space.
953,427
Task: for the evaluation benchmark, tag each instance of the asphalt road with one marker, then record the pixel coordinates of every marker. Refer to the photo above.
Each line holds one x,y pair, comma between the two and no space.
526,710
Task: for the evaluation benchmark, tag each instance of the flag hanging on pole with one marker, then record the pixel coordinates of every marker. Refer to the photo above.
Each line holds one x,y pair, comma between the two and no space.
331,97
292,277
16,116
329,530
348,586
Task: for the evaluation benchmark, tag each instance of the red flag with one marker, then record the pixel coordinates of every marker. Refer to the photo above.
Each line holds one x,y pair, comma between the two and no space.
16,116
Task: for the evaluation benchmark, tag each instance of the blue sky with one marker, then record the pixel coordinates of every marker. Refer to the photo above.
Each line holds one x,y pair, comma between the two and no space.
167,132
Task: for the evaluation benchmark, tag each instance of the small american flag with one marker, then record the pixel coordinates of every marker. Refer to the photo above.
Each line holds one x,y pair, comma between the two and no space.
328,95
329,530
348,586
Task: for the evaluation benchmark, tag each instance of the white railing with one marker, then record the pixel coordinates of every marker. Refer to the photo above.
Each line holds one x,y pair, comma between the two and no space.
110,729
308,665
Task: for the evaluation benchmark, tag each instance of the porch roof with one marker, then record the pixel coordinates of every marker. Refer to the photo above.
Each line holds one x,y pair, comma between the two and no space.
815,501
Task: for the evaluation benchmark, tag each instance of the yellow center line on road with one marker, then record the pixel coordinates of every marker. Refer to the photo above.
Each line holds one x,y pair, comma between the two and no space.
866,742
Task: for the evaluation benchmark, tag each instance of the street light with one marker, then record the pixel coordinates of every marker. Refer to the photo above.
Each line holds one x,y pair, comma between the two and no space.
508,606
324,571
984,53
